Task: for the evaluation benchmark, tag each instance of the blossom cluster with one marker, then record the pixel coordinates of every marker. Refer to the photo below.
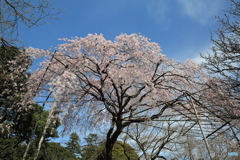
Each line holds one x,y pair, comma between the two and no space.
93,78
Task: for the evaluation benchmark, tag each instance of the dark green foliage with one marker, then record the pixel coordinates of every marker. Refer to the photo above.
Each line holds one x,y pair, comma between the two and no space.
123,151
94,147
38,118
20,122
13,115
14,141
49,151
54,151
73,145
13,77
91,149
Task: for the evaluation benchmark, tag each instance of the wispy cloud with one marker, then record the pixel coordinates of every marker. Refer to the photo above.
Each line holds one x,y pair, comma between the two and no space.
205,51
199,59
193,53
201,10
158,10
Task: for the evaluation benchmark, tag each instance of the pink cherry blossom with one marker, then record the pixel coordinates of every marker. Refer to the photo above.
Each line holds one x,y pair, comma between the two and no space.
95,79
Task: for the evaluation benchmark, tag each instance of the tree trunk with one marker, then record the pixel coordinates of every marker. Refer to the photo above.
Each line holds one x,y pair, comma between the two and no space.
111,139
45,129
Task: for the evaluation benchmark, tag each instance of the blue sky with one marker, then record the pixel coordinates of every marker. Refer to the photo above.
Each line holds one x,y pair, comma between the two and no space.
181,27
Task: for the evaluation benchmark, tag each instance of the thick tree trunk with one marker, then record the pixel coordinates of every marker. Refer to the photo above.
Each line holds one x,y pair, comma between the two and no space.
112,136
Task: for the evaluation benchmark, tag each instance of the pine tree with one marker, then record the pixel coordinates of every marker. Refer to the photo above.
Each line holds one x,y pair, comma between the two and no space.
13,114
15,141
20,123
73,145
13,77
91,150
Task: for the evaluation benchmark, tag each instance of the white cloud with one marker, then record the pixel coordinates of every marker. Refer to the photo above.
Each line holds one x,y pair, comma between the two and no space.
193,53
201,10
158,10
204,51
199,59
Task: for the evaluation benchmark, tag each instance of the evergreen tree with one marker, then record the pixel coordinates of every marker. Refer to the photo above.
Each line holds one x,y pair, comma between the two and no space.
15,141
13,113
13,77
94,147
54,151
123,151
91,150
73,145
20,123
